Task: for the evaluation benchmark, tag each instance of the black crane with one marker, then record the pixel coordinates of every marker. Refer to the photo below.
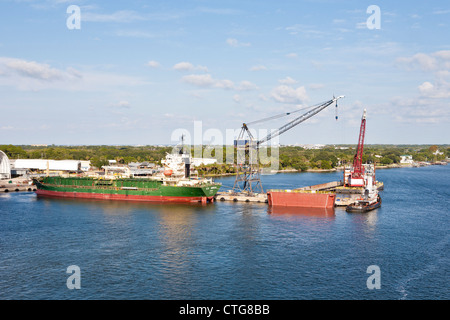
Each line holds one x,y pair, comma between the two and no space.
248,172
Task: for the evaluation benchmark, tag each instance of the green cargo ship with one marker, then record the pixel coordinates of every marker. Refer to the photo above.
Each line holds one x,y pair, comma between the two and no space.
161,189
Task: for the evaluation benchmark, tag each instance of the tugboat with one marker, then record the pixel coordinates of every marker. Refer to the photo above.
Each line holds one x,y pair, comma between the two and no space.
370,200
364,204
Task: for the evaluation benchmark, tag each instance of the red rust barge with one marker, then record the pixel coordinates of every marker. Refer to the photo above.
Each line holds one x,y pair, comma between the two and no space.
301,198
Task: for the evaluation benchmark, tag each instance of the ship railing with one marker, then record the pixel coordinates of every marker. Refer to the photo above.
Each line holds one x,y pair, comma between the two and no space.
298,191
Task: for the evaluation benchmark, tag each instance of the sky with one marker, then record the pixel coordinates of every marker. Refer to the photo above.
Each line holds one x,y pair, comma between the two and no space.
141,72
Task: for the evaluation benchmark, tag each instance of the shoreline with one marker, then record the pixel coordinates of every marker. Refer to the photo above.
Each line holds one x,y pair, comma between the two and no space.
390,166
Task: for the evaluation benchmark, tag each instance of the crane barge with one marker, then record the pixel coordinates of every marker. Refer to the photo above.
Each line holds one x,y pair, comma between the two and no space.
248,179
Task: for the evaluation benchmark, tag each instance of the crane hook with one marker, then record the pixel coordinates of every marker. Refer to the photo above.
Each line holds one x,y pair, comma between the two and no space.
336,111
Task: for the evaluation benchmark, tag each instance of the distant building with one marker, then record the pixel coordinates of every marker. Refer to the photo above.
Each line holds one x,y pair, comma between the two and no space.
51,165
85,165
195,162
141,165
5,168
406,159
142,169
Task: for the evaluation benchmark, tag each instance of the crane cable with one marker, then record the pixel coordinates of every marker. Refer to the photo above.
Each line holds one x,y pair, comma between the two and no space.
278,115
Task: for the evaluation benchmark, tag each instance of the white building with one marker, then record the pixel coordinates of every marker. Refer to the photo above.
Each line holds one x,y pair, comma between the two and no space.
406,159
195,162
51,165
85,165
5,168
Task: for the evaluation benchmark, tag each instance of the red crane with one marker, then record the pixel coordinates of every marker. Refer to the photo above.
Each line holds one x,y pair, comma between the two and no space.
355,178
358,169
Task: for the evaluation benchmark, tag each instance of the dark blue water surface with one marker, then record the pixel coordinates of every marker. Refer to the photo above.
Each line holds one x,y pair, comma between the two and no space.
231,250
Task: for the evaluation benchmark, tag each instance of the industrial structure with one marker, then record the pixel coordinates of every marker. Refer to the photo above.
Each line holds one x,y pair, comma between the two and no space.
356,176
47,165
5,168
248,179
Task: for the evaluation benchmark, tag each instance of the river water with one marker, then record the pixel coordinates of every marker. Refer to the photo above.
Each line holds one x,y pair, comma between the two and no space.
231,250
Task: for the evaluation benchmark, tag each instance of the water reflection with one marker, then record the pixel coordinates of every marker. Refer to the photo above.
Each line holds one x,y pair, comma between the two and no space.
365,223
179,238
299,211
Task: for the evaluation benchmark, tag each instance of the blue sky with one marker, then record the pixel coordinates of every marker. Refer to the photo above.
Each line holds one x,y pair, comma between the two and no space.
138,70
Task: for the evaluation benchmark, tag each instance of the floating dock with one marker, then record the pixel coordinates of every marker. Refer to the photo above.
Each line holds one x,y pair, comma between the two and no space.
301,198
16,185
16,188
343,195
228,196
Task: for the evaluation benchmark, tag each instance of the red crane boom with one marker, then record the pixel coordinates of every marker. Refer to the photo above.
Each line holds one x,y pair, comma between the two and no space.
358,169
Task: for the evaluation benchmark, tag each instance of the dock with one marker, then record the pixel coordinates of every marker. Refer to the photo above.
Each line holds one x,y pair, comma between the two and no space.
344,195
329,186
16,185
228,196
16,188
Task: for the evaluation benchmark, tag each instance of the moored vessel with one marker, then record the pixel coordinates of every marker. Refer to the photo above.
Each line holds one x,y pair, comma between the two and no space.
175,185
364,205
369,201
301,198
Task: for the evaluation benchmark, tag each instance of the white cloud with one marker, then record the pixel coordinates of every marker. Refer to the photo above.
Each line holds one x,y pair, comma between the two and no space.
206,80
443,54
31,75
287,80
118,16
32,69
441,12
431,103
122,104
153,64
292,55
187,66
307,31
135,34
247,86
258,68
183,66
289,95
418,111
235,43
438,65
438,60
200,80
420,60
224,84
439,90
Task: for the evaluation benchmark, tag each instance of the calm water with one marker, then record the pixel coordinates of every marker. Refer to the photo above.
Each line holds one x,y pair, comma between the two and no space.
231,250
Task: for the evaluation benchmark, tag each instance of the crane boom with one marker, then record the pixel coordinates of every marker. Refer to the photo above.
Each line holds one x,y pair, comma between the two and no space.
248,172
298,120
357,160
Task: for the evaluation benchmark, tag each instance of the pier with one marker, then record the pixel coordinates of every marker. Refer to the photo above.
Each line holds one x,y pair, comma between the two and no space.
16,188
228,196
16,185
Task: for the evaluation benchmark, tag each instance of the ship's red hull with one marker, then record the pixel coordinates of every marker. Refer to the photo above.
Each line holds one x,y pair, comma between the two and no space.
106,196
300,199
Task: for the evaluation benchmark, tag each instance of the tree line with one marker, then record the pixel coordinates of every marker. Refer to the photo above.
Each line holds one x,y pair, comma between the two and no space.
290,157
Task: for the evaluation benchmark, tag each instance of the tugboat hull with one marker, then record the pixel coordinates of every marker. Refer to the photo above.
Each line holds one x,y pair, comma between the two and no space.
362,207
